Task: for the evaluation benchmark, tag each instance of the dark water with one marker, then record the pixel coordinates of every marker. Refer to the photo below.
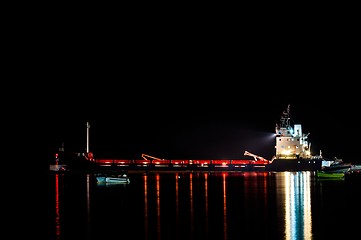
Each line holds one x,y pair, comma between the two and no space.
204,205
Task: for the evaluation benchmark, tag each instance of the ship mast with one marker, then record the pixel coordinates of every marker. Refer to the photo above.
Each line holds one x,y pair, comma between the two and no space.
285,119
284,129
87,137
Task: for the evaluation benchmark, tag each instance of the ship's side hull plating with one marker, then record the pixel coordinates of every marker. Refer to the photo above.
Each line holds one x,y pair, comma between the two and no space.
294,165
276,165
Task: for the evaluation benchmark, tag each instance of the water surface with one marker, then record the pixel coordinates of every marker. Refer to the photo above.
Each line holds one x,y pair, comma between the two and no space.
203,205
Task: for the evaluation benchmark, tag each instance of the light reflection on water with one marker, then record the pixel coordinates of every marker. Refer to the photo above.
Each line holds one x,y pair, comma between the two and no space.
57,208
297,205
191,205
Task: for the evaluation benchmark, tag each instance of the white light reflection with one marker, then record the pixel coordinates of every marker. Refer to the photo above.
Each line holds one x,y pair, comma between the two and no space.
298,217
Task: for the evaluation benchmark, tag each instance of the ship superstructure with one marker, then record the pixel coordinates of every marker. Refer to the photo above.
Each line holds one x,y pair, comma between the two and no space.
291,142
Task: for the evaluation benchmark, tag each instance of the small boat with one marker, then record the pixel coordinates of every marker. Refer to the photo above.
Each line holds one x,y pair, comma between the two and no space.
336,170
120,178
355,169
354,173
337,166
330,175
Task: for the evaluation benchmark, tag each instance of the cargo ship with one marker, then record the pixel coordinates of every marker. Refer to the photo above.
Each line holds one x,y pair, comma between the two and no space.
292,147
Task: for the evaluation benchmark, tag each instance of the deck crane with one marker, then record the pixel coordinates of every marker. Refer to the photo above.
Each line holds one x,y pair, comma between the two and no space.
144,156
256,157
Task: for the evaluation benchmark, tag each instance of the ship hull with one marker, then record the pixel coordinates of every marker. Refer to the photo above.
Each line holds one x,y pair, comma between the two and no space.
66,161
277,165
294,165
